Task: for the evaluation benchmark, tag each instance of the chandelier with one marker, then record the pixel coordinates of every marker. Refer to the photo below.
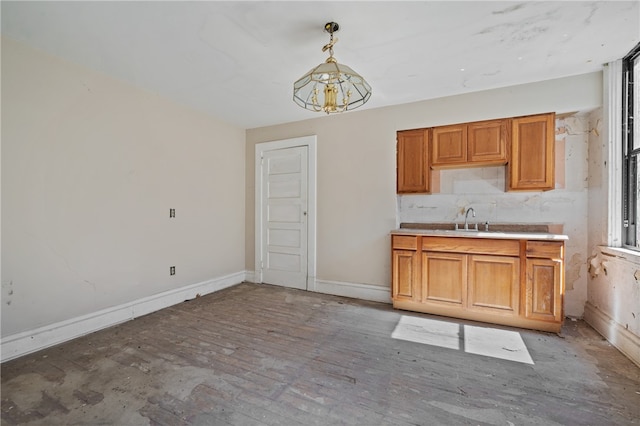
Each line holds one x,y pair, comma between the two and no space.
331,87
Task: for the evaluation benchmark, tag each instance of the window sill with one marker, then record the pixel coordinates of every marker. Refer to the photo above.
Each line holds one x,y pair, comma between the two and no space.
630,256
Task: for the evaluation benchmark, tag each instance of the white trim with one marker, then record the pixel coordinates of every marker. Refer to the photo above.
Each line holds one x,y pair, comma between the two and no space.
622,253
310,142
626,342
250,276
612,117
34,340
339,288
374,293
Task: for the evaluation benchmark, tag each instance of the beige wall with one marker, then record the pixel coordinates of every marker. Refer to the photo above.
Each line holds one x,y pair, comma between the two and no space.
357,204
90,169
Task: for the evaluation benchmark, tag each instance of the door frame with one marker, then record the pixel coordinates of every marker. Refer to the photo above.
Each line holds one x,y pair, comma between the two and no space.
261,148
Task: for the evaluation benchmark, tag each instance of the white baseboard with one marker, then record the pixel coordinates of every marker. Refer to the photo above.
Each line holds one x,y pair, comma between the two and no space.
626,342
340,288
250,276
358,291
30,341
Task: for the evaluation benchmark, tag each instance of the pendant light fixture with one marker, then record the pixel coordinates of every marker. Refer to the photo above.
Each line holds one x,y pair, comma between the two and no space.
331,87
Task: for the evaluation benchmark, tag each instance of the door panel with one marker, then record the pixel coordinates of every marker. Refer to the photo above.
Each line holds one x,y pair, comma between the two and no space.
283,261
284,212
284,237
284,207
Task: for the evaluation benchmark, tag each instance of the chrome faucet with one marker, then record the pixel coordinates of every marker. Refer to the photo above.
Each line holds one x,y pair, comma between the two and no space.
466,216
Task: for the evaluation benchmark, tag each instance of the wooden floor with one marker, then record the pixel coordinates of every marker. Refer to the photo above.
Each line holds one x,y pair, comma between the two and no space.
265,355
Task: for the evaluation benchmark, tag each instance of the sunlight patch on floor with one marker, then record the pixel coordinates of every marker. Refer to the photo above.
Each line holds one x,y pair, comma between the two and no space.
486,341
427,331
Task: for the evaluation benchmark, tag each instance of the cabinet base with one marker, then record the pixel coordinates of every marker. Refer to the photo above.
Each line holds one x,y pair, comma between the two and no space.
552,327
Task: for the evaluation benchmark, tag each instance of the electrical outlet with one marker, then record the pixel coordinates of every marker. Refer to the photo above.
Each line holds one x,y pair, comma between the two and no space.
172,270
172,212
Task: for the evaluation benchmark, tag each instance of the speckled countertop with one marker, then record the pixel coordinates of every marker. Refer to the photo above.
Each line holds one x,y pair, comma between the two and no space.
497,231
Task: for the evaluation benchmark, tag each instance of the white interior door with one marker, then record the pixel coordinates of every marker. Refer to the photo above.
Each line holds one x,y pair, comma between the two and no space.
284,213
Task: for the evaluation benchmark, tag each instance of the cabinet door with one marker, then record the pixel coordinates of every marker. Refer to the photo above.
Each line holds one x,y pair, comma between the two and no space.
487,142
544,290
531,167
449,146
444,278
406,275
494,284
413,161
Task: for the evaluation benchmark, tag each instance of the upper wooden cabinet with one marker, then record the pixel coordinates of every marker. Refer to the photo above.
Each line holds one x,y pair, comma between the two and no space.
482,143
525,144
532,153
488,142
413,161
449,146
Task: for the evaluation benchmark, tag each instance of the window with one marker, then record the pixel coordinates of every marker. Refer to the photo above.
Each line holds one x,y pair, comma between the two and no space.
631,149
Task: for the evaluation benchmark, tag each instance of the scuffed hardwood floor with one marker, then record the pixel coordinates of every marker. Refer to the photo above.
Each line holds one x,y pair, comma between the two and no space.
265,355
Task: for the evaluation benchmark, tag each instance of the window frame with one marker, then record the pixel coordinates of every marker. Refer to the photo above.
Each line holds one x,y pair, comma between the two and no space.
630,155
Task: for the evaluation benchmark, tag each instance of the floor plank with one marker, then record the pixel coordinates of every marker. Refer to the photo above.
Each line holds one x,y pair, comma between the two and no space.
266,355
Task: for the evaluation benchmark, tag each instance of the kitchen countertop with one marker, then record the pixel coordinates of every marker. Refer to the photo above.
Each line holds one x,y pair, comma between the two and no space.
480,234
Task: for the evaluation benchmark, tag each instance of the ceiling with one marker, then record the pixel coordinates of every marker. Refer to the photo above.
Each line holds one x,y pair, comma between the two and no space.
238,60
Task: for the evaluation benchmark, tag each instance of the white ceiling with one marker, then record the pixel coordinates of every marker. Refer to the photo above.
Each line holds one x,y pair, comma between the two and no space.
238,60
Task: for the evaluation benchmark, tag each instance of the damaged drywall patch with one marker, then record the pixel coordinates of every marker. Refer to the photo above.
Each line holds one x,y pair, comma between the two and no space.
573,269
576,125
596,264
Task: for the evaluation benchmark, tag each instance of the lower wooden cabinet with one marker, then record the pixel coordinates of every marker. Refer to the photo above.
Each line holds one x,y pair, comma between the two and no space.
444,278
503,281
405,274
494,284
544,283
543,298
